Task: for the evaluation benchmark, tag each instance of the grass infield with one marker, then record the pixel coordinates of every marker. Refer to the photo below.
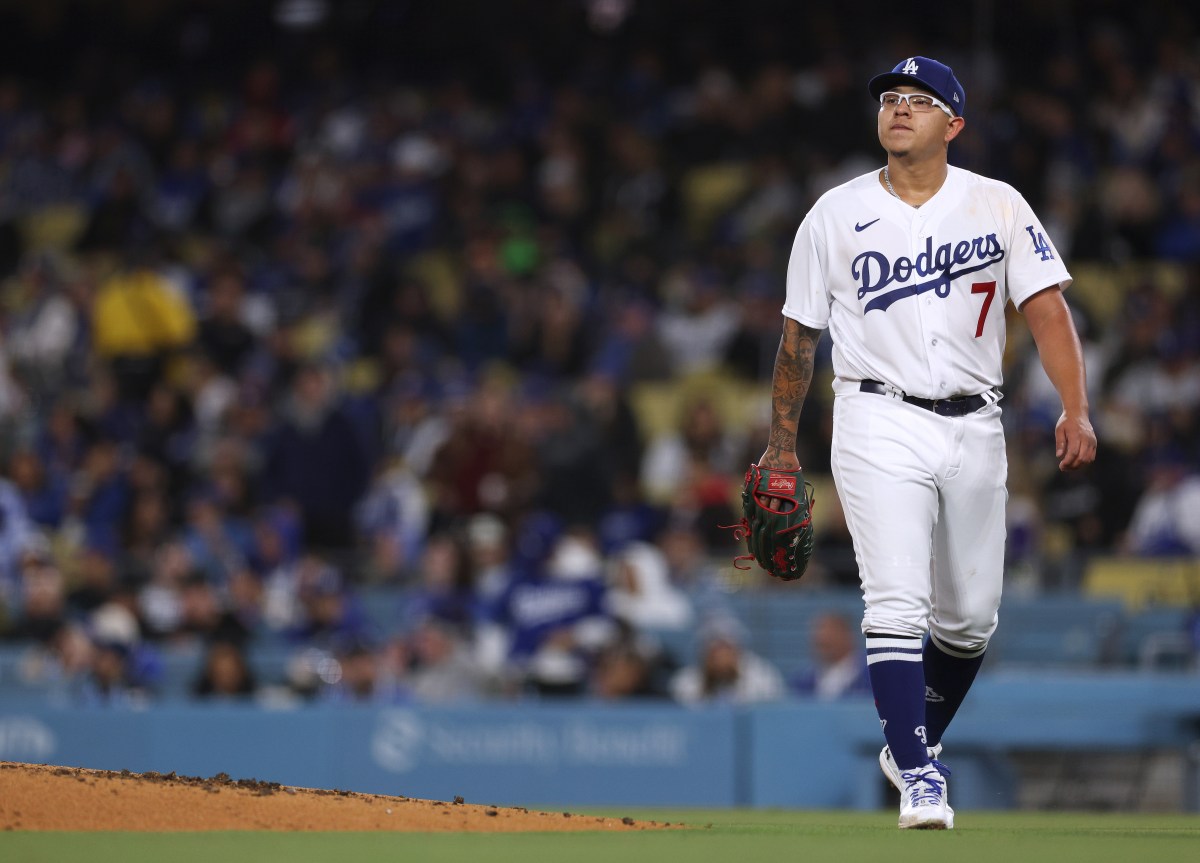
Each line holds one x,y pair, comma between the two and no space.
727,836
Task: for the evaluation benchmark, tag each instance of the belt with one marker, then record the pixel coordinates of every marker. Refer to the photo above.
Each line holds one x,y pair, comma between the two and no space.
958,406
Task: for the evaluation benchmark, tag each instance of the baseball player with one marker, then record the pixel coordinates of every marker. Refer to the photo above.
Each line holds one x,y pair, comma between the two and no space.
910,267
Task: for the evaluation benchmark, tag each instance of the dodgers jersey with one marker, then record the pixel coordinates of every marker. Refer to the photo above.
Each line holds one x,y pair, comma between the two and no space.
915,296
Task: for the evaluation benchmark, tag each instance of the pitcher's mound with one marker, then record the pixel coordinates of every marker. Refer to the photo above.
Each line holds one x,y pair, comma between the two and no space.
43,797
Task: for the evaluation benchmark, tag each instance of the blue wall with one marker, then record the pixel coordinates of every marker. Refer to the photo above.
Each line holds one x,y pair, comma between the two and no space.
793,754
503,755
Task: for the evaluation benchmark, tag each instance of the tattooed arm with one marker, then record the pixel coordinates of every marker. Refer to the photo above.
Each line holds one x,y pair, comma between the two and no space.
792,378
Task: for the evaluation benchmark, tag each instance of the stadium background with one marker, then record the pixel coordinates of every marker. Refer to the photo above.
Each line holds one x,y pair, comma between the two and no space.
325,322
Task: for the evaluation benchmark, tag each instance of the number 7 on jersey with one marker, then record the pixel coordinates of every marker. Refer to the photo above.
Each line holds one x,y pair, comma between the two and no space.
989,290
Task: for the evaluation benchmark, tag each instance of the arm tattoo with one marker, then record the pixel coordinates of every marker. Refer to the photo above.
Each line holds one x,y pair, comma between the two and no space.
792,378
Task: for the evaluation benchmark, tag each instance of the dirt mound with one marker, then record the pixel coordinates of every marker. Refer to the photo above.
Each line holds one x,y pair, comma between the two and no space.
45,797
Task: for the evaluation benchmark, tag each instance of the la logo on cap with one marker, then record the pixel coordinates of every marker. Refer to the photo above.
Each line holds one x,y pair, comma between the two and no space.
910,67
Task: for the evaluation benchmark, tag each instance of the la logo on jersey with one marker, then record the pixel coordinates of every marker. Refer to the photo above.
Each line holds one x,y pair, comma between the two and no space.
910,67
1040,246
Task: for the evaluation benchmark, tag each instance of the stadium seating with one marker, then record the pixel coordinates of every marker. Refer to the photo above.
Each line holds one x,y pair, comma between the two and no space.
1058,630
1156,638
779,622
1142,581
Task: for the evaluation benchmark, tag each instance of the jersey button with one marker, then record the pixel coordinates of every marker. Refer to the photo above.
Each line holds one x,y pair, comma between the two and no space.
933,342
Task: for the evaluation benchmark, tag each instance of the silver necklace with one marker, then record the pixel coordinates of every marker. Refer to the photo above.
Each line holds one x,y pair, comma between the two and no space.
887,181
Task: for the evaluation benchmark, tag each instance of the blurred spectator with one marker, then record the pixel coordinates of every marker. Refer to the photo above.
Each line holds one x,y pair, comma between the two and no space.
329,613
554,337
839,661
703,500
394,520
548,622
415,424
100,494
623,672
727,671
95,579
161,599
204,615
317,460
138,320
631,517
633,350
110,679
445,589
14,403
63,668
217,542
360,677
223,336
43,493
689,564
1167,380
1164,521
225,674
640,592
1179,238
483,464
16,535
145,532
244,600
122,669
41,602
168,435
699,441
837,565
606,405
751,352
487,540
698,323
575,480
45,331
444,667
60,441
276,540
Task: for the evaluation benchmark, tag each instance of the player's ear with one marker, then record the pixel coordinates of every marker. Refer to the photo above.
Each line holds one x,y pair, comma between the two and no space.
954,127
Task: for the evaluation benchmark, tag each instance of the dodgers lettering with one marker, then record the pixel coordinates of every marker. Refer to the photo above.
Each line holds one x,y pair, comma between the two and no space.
875,271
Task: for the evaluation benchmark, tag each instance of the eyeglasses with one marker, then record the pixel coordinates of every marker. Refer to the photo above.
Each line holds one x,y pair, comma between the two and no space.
918,103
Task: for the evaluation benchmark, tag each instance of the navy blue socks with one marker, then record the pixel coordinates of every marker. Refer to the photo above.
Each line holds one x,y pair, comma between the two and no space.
897,673
949,674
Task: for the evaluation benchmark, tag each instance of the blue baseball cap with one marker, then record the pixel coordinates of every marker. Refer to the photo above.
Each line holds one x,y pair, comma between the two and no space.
937,78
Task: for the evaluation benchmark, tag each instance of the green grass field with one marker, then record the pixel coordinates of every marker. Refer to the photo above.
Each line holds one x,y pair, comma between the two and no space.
724,836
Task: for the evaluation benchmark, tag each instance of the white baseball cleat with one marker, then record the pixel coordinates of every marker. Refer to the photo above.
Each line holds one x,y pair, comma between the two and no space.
923,802
890,769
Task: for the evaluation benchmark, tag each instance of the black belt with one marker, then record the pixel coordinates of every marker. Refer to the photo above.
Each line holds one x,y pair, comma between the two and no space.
958,406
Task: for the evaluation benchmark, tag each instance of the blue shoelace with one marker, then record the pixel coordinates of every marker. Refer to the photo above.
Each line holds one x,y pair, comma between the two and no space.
922,787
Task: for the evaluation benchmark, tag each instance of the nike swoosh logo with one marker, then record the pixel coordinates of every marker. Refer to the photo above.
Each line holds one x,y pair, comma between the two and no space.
860,228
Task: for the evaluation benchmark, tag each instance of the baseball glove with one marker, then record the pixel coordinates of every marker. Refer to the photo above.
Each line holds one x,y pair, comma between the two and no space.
781,540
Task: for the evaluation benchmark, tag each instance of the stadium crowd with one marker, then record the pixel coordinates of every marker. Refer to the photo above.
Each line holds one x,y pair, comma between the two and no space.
297,312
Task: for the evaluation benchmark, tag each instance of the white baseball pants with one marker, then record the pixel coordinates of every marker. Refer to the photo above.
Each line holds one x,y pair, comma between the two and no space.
924,497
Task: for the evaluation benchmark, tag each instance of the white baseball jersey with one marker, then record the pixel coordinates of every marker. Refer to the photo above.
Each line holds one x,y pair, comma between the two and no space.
914,296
